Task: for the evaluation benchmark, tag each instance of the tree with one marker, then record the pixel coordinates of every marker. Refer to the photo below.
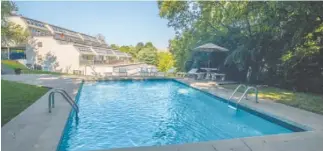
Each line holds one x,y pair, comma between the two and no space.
275,40
114,46
165,61
11,34
125,49
148,55
149,45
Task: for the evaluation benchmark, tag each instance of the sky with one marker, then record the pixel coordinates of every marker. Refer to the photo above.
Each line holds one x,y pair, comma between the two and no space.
122,23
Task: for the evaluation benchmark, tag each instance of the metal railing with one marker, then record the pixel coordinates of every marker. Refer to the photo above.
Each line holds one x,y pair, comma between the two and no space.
236,90
92,68
245,94
51,100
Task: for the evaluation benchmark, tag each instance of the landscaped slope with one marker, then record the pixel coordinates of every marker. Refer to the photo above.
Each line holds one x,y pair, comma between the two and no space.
12,64
16,97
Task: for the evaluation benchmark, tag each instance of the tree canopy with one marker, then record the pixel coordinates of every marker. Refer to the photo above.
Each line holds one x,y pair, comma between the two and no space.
11,34
165,61
148,53
279,43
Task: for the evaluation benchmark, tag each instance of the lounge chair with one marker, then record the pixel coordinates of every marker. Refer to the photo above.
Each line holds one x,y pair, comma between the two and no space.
215,75
153,72
122,71
197,75
108,72
181,74
170,71
143,71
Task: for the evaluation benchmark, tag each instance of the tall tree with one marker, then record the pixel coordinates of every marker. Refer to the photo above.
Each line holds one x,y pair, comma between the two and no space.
270,40
165,61
11,34
148,55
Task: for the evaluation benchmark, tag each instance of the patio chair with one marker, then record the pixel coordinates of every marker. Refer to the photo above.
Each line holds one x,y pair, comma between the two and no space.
123,71
171,71
215,75
108,72
153,72
143,71
180,74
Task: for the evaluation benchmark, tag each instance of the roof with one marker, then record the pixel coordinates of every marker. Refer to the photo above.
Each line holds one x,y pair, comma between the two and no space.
84,49
103,51
110,52
209,47
121,54
85,46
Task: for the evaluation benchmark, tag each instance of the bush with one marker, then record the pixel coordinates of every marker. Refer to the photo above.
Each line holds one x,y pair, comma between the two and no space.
37,67
18,70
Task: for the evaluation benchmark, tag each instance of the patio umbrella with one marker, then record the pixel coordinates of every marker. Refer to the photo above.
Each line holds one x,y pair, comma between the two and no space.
209,48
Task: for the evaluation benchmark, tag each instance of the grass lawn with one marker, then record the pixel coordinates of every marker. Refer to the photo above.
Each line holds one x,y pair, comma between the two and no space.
15,64
307,101
15,97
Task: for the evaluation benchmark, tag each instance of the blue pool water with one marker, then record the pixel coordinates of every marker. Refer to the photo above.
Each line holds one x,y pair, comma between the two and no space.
116,114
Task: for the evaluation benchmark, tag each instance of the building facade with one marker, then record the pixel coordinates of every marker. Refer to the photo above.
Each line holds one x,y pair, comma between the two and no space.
61,50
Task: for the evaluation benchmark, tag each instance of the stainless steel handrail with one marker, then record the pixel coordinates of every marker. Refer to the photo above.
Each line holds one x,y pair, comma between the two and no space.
51,100
235,91
245,93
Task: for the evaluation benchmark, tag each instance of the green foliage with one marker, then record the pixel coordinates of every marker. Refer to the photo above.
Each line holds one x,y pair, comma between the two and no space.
143,52
13,64
280,42
307,101
114,46
165,61
148,55
11,34
6,8
125,49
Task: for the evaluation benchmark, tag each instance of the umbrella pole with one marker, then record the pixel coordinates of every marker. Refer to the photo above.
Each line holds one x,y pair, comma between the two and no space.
209,60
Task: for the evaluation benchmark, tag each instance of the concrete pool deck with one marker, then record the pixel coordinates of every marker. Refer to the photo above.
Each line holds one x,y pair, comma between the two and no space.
36,129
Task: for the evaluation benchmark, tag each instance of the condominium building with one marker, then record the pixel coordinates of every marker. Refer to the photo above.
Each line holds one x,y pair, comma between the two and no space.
59,49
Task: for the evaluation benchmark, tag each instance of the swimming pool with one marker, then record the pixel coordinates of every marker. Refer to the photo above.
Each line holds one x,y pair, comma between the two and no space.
116,114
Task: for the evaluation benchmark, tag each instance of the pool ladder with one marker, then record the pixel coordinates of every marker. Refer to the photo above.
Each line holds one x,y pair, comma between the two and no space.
245,94
51,100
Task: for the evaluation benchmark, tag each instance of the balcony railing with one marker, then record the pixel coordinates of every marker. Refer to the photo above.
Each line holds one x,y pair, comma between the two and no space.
103,62
86,62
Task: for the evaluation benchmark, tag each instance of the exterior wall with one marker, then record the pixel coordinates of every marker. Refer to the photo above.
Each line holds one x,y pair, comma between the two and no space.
67,57
44,50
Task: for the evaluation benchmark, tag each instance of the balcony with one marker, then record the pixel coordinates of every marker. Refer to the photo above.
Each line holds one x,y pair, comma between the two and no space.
86,62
